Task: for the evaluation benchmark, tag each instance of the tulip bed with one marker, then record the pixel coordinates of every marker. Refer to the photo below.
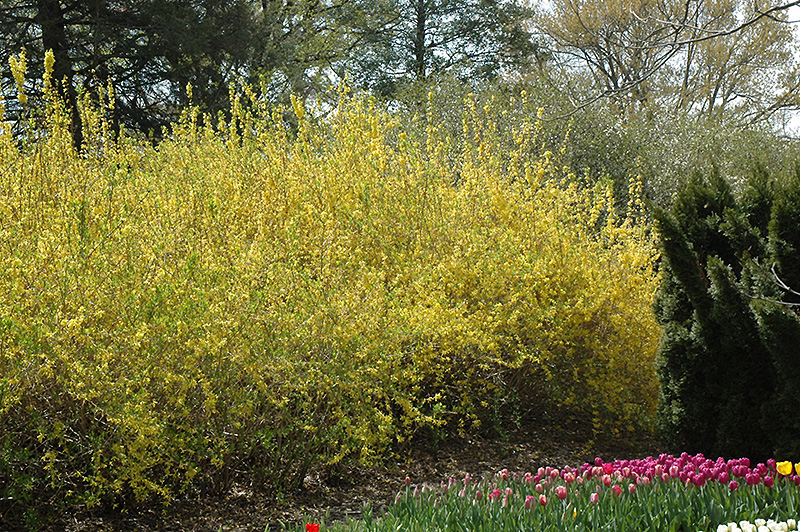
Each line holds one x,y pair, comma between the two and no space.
664,494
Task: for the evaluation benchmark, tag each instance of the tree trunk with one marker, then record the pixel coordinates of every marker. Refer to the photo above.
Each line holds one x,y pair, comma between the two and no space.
419,66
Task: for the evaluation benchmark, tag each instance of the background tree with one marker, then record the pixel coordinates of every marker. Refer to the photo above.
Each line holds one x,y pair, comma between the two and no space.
403,42
148,49
297,44
690,55
750,69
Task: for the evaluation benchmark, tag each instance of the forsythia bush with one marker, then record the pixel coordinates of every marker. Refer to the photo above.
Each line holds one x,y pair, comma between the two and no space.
247,301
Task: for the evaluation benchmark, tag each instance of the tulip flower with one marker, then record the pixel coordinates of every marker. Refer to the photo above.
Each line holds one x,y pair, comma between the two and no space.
312,527
529,501
543,500
561,492
616,489
784,468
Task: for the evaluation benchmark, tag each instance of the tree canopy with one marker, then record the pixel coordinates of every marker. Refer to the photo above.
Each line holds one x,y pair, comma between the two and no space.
690,56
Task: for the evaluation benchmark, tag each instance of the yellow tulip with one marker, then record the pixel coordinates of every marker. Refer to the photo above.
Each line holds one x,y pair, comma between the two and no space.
785,468
797,467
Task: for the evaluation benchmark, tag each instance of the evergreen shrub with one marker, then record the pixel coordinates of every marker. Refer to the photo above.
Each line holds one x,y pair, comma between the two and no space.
728,357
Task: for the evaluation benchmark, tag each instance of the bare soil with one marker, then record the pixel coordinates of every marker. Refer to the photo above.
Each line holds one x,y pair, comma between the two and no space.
340,494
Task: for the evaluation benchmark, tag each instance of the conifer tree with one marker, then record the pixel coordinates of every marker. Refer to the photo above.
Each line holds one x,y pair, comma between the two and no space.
727,358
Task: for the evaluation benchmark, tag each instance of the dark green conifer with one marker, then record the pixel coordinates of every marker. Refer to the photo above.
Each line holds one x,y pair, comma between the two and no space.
728,364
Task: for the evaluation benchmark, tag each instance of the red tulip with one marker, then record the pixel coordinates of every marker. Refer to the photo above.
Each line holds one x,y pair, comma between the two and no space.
312,527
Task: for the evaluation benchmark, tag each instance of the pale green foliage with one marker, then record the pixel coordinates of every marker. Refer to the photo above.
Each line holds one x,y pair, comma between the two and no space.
239,302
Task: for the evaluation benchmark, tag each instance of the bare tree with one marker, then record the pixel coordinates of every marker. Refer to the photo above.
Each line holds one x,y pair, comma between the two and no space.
694,55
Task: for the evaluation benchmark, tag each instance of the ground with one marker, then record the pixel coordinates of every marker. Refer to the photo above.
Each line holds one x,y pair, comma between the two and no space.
341,494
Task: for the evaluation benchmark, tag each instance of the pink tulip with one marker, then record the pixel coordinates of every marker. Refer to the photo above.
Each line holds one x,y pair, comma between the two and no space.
529,501
769,481
539,488
616,489
594,497
733,485
561,492
542,500
631,488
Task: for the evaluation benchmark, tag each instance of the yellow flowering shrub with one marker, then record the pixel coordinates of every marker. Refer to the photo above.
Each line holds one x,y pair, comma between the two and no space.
248,300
